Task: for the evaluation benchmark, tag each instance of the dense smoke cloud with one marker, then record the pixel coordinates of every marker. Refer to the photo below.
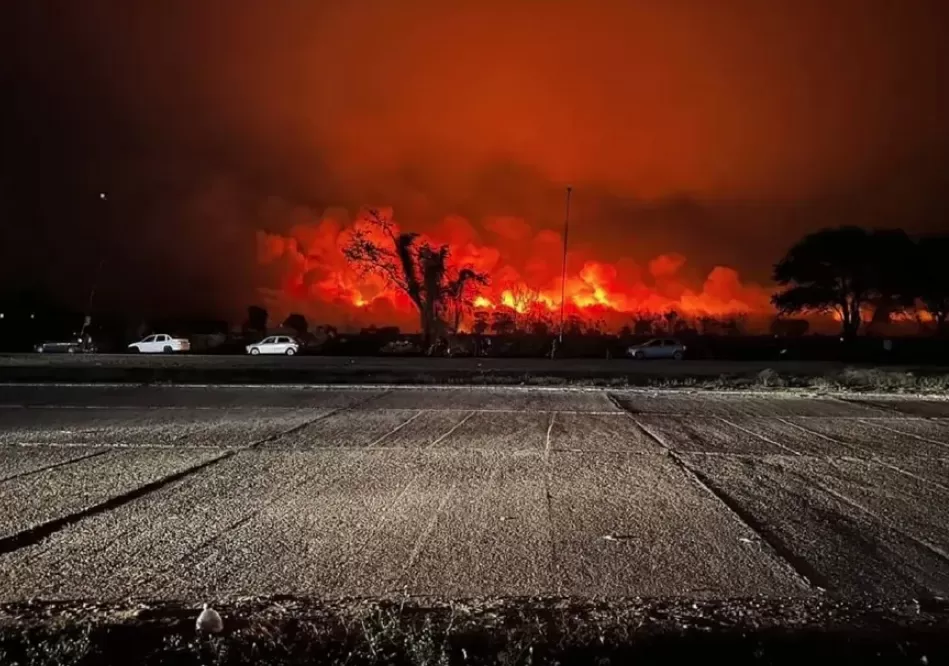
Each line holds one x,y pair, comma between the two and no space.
701,138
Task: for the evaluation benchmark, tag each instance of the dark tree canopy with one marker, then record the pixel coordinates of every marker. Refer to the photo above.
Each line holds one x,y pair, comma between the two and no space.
297,323
644,324
256,319
481,323
503,322
932,270
845,270
573,326
540,328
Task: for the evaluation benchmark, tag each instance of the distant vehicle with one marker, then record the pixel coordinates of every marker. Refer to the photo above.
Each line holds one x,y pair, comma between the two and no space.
275,344
77,346
160,344
658,348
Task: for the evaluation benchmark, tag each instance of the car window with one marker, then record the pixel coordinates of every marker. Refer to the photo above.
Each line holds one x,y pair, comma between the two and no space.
669,343
281,340
267,341
161,338
654,343
150,338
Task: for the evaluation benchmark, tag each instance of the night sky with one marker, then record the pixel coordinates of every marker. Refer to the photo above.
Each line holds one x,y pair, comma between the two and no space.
715,130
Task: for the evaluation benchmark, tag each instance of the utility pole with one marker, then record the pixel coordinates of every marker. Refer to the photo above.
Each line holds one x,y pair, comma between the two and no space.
87,320
563,268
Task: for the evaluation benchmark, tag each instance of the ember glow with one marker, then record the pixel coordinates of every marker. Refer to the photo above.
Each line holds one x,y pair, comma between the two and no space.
525,270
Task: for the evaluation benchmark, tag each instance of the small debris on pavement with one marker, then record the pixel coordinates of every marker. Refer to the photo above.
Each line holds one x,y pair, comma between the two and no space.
209,621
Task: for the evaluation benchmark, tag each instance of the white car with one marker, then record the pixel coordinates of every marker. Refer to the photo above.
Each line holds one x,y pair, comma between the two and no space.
160,344
658,348
275,344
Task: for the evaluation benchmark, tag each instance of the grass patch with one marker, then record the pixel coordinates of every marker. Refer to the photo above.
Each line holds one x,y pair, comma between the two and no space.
874,379
846,380
522,632
783,375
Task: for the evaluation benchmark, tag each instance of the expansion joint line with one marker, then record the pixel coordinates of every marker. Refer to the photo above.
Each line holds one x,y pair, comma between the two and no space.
800,568
548,498
37,533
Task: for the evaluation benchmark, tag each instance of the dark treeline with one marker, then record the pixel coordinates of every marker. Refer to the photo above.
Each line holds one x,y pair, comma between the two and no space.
863,277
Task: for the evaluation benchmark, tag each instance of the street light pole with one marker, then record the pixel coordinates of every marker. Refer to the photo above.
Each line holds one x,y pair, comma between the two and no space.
87,319
563,268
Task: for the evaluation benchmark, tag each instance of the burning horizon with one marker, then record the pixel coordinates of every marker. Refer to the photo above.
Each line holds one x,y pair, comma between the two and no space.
703,139
523,262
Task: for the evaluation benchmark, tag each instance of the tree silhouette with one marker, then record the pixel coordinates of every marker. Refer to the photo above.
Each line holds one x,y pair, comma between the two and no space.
894,257
416,268
843,270
523,304
734,325
540,328
709,325
460,292
573,326
481,324
595,327
645,323
296,322
932,277
256,319
503,322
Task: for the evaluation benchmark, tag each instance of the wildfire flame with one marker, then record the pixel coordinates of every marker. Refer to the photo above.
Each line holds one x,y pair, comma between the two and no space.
524,270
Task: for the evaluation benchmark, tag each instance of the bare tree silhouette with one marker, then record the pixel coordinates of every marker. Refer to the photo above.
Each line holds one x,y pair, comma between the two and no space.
416,268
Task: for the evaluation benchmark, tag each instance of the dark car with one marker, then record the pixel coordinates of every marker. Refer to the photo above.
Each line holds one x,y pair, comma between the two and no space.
77,346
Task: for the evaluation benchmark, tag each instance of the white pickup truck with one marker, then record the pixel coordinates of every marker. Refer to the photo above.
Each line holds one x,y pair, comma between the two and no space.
160,344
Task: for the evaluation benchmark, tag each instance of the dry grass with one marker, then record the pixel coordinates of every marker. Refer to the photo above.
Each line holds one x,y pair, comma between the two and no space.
849,379
516,633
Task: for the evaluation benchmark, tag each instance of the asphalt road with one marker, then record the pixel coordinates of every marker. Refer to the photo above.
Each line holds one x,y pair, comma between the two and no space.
195,368
396,363
188,493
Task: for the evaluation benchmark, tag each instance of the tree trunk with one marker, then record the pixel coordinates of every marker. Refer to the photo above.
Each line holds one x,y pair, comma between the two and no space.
850,313
429,325
426,329
849,327
849,330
